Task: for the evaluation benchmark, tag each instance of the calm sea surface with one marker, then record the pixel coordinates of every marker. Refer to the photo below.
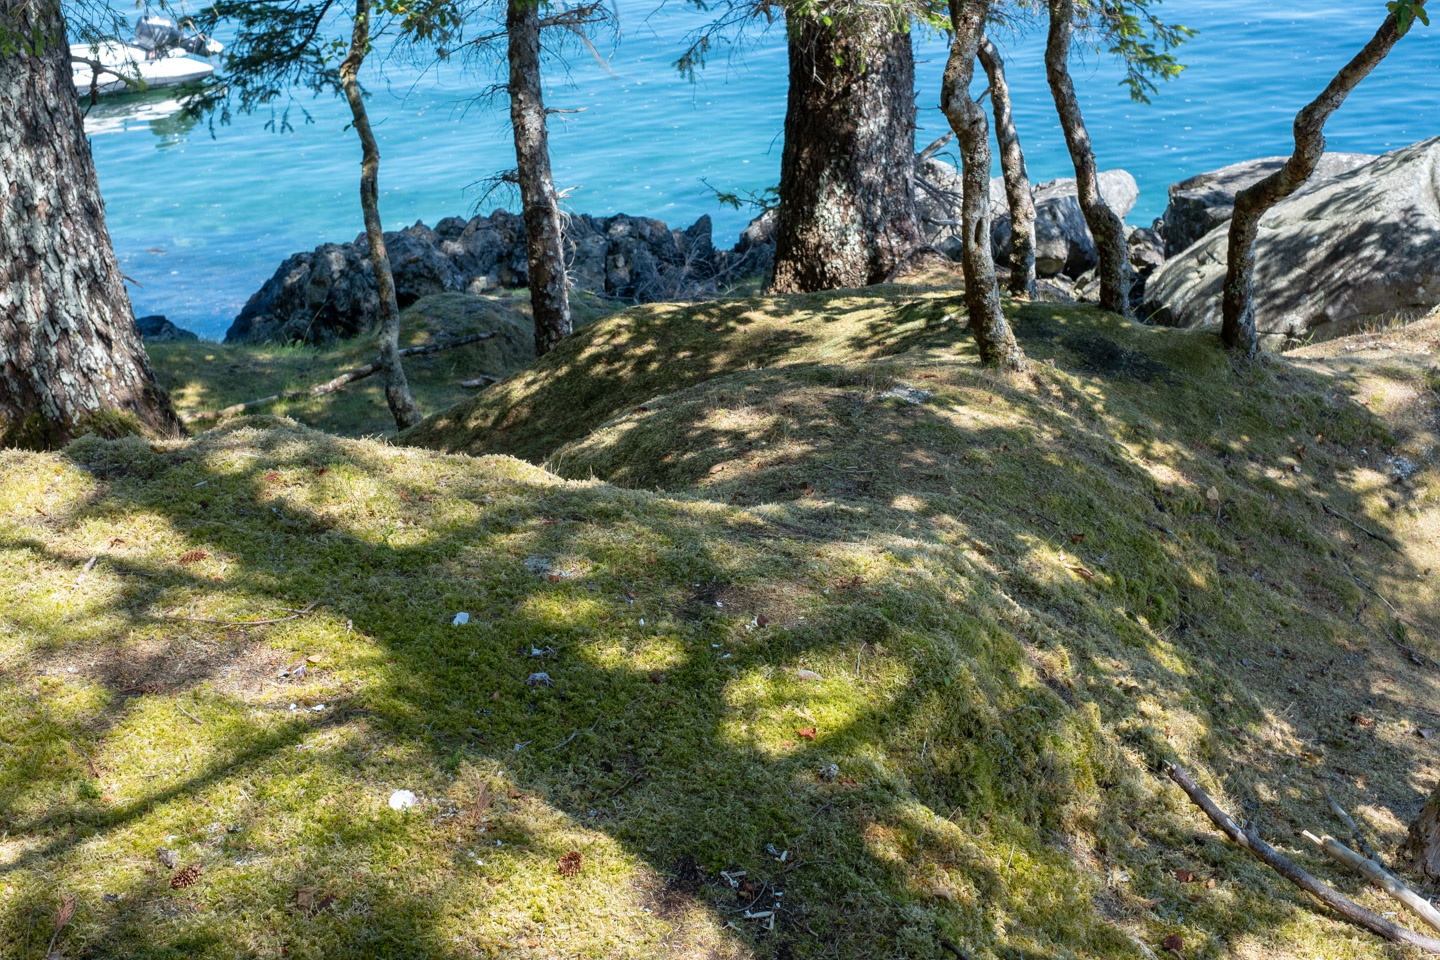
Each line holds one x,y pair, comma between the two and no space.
200,219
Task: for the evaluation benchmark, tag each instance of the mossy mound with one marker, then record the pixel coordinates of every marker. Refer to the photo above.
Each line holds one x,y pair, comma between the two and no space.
888,667
202,376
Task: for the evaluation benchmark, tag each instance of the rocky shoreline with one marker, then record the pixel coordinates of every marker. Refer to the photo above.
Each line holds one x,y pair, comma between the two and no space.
329,293
1360,243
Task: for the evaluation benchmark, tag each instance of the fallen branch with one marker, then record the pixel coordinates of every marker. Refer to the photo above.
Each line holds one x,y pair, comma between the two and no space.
1379,876
1363,529
1250,840
934,148
330,386
1355,833
484,380
250,623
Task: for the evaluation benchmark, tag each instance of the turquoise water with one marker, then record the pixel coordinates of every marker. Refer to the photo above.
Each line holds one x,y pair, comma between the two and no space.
201,219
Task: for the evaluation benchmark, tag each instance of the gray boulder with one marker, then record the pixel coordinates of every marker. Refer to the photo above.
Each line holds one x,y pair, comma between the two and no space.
1359,246
1203,202
158,329
1063,243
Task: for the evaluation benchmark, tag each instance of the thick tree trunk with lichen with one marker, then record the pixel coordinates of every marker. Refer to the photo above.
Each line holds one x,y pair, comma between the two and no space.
397,388
1018,193
1421,848
1107,228
993,335
847,212
1237,329
70,356
544,237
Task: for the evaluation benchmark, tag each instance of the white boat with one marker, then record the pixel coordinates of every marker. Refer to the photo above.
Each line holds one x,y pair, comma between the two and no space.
160,57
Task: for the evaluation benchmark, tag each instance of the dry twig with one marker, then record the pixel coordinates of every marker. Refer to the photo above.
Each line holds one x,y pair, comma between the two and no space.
251,623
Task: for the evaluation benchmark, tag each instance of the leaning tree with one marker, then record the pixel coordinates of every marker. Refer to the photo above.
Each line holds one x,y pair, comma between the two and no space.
70,356
1238,331
993,335
1019,194
279,47
1131,31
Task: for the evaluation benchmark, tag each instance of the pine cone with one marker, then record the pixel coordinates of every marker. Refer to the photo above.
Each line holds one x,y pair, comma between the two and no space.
186,877
570,864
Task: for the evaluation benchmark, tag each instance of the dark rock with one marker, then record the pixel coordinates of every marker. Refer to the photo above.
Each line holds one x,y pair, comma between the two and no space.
1203,202
157,329
326,294
329,293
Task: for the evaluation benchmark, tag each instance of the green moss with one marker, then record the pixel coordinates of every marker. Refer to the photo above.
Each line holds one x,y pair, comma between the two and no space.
1012,597
207,376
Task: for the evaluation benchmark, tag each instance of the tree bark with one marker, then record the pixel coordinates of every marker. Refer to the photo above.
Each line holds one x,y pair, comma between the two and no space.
70,356
1422,846
1105,226
1237,329
1018,194
544,238
993,335
397,388
847,212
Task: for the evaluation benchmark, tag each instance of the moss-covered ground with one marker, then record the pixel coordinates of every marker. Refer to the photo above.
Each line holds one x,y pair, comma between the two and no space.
206,376
805,636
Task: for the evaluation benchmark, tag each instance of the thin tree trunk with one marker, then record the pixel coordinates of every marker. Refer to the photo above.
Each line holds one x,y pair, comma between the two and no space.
70,356
1105,226
1237,329
982,293
847,212
544,238
397,388
1017,180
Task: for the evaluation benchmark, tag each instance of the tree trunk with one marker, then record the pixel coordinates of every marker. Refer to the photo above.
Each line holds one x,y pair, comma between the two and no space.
1421,848
70,356
1017,180
544,238
1105,226
847,191
397,388
1237,329
982,294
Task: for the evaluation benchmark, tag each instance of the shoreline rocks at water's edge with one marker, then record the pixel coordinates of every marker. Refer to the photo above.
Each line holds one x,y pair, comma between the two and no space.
1361,240
329,293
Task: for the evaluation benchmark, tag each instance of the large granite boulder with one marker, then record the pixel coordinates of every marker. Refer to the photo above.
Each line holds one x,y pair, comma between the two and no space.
1203,202
1063,243
1359,246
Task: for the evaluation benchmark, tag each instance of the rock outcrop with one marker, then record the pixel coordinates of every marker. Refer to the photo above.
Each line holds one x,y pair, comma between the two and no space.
1343,251
1063,244
158,329
329,293
1203,202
